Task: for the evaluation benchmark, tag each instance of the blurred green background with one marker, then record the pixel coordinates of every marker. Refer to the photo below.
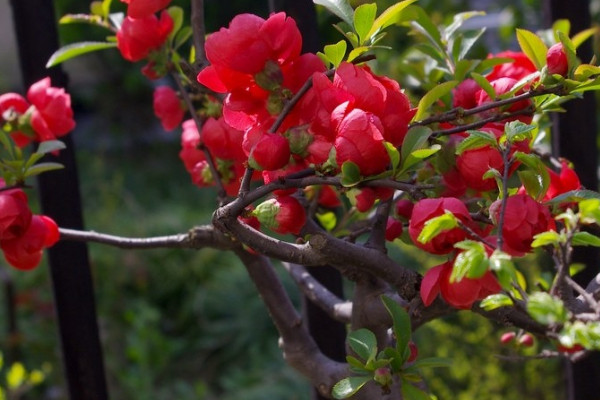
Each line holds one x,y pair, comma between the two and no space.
189,325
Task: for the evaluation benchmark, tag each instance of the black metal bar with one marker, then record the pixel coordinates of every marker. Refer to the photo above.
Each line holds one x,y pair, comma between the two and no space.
574,137
37,37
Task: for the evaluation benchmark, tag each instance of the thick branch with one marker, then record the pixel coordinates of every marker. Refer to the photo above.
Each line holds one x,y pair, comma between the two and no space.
318,294
299,349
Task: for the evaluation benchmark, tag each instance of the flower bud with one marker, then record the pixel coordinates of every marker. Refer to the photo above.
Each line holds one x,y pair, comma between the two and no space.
414,351
283,214
507,337
271,152
404,208
383,376
526,340
556,60
393,229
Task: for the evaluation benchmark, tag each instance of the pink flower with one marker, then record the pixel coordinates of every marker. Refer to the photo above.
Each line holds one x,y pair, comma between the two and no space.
556,60
52,115
144,8
25,252
167,107
458,294
523,218
427,209
138,37
359,140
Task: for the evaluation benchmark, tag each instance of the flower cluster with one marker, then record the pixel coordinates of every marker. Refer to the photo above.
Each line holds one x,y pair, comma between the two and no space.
45,114
23,236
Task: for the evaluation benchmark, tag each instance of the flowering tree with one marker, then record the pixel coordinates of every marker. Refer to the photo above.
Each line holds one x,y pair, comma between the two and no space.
319,161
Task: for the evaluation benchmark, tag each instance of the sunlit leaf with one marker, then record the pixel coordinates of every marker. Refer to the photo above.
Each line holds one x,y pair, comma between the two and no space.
533,47
76,49
495,301
341,8
432,96
349,386
389,16
364,16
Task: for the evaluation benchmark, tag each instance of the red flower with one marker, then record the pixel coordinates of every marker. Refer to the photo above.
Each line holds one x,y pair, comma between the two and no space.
12,106
502,86
15,215
271,152
404,208
561,183
167,107
240,51
458,294
472,164
283,214
144,8
138,37
427,209
359,140
520,67
222,140
556,60
465,94
393,229
52,115
523,218
25,252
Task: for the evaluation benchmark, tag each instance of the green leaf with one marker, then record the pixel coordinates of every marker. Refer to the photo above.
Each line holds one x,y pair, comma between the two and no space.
574,196
416,138
363,343
336,52
49,146
484,84
585,239
328,220
586,71
517,131
592,84
437,225
401,323
561,25
431,362
590,211
390,16
394,156
458,21
501,263
570,51
538,167
76,49
41,168
423,24
494,301
350,174
176,14
532,182
546,309
476,140
355,53
576,268
411,392
349,386
582,36
432,96
533,47
356,364
364,17
468,40
545,239
471,263
182,37
341,8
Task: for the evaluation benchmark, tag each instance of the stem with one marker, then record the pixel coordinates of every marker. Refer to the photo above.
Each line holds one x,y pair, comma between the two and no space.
221,193
483,122
459,112
507,165
199,31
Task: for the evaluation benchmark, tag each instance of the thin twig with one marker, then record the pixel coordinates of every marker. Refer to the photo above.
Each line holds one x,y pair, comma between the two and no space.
587,296
199,31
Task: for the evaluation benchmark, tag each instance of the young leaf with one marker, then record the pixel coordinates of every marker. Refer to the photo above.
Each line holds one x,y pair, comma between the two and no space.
41,168
432,96
494,301
176,14
574,196
415,139
545,239
437,225
336,52
389,17
585,239
546,309
394,156
411,392
561,25
476,140
349,386
49,146
76,49
458,21
570,51
350,174
517,131
471,263
533,47
538,167
484,84
364,16
582,36
401,323
341,8
363,343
